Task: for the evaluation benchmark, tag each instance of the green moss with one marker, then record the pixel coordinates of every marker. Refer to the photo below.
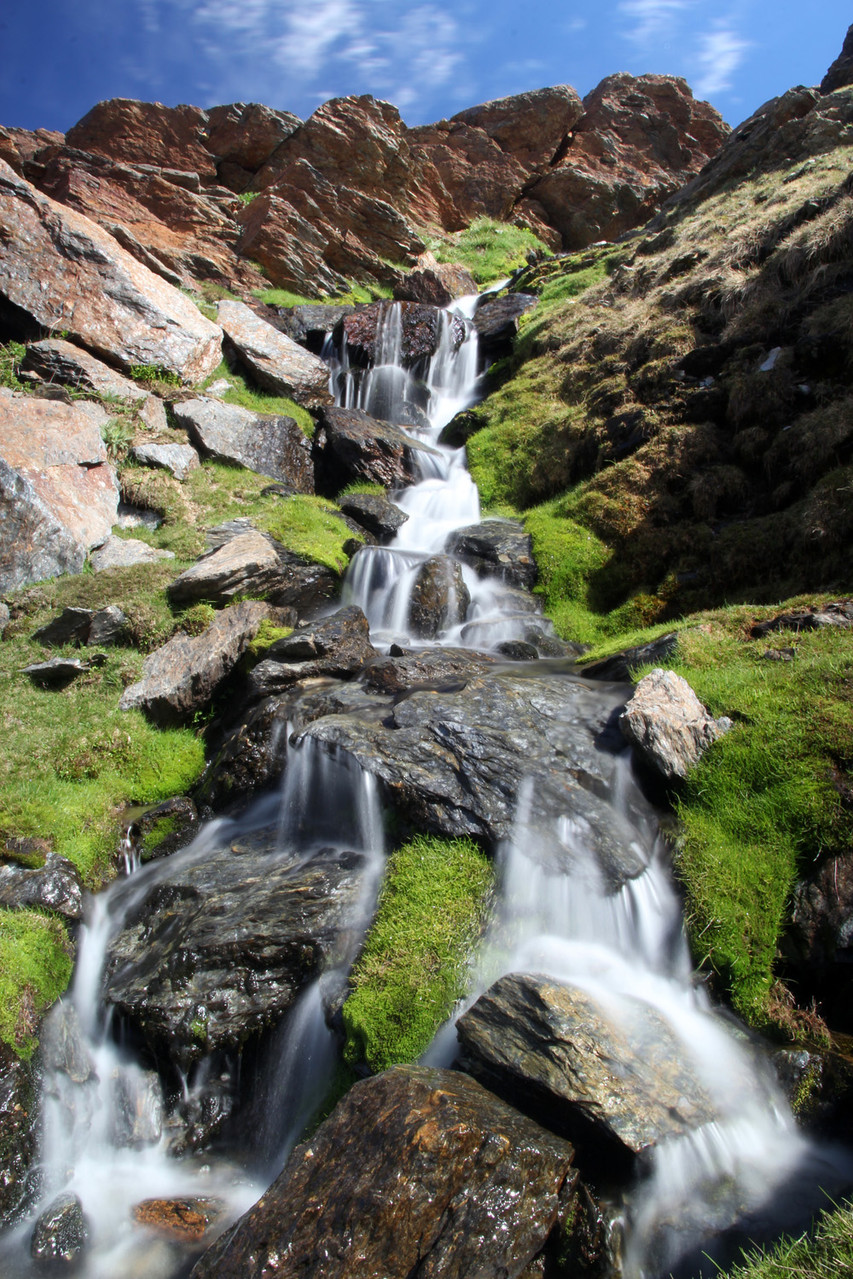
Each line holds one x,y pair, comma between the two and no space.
490,250
35,968
412,969
267,635
247,396
357,294
310,526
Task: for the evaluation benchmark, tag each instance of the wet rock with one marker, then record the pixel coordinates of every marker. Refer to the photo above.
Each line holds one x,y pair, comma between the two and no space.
181,677
219,949
274,360
550,1047
18,1136
138,1108
817,945
60,1234
421,331
439,598
417,1171
621,665
433,668
55,360
180,1218
352,447
62,1046
53,886
165,828
668,725
452,761
376,514
177,459
107,300
517,650
819,1087
496,321
268,445
338,646
58,493
123,552
496,547
310,323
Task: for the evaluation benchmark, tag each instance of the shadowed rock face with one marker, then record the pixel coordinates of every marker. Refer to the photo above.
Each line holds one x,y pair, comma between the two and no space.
418,1172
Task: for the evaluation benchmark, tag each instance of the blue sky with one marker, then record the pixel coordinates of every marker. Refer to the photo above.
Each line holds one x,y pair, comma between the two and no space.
59,57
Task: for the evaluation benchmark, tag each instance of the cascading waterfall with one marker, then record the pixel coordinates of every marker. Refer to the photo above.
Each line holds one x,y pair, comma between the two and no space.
624,948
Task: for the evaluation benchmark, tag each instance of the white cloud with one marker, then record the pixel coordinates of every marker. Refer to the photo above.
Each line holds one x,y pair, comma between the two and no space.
651,19
721,52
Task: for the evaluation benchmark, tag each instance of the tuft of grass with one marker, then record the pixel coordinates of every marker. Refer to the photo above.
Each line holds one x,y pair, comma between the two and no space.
241,392
489,249
11,358
311,526
827,1253
35,967
356,295
411,972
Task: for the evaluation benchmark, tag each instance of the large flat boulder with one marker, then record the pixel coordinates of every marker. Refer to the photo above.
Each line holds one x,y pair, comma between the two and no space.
416,1172
266,443
274,360
107,300
219,949
251,563
58,493
608,1081
180,677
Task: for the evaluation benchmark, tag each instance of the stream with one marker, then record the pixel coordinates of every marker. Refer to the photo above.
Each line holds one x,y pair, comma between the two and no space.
118,1132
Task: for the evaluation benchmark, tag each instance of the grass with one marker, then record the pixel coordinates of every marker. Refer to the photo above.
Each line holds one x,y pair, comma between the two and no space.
312,527
11,357
247,396
356,295
825,1254
489,249
412,969
35,968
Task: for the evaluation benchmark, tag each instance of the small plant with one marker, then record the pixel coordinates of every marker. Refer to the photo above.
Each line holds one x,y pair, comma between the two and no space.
155,373
246,197
11,358
117,433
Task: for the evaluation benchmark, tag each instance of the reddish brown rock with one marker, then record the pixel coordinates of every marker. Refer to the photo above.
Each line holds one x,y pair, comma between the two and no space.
179,1218
417,1172
287,246
107,301
640,138
247,134
533,126
468,175
19,146
436,283
145,133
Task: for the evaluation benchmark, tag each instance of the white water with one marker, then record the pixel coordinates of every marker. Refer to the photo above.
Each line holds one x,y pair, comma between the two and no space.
625,949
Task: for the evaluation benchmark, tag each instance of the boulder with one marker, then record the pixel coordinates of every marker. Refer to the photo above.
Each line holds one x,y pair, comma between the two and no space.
417,1172
60,1234
62,1046
105,298
288,246
668,725
428,668
365,331
58,493
452,760
177,459
439,598
498,548
264,443
311,322
181,677
164,829
59,671
274,360
251,563
352,447
219,949
54,886
338,646
496,321
246,134
436,283
533,126
551,1049
19,1124
146,133
379,516
122,552
56,360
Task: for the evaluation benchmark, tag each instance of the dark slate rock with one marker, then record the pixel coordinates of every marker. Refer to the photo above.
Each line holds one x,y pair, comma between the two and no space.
439,598
517,650
496,321
496,547
19,1094
460,428
266,444
310,323
621,665
417,1172
58,672
376,514
421,327
108,626
540,1043
53,886
181,677
219,949
177,459
840,73
62,1047
244,565
350,447
839,613
338,646
428,668
165,828
60,1234
83,626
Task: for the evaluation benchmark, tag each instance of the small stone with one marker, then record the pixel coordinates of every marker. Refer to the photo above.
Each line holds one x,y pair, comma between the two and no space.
179,1218
122,552
56,673
178,459
60,1233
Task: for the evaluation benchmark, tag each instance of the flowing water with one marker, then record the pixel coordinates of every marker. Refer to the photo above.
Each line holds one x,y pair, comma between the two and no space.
625,949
